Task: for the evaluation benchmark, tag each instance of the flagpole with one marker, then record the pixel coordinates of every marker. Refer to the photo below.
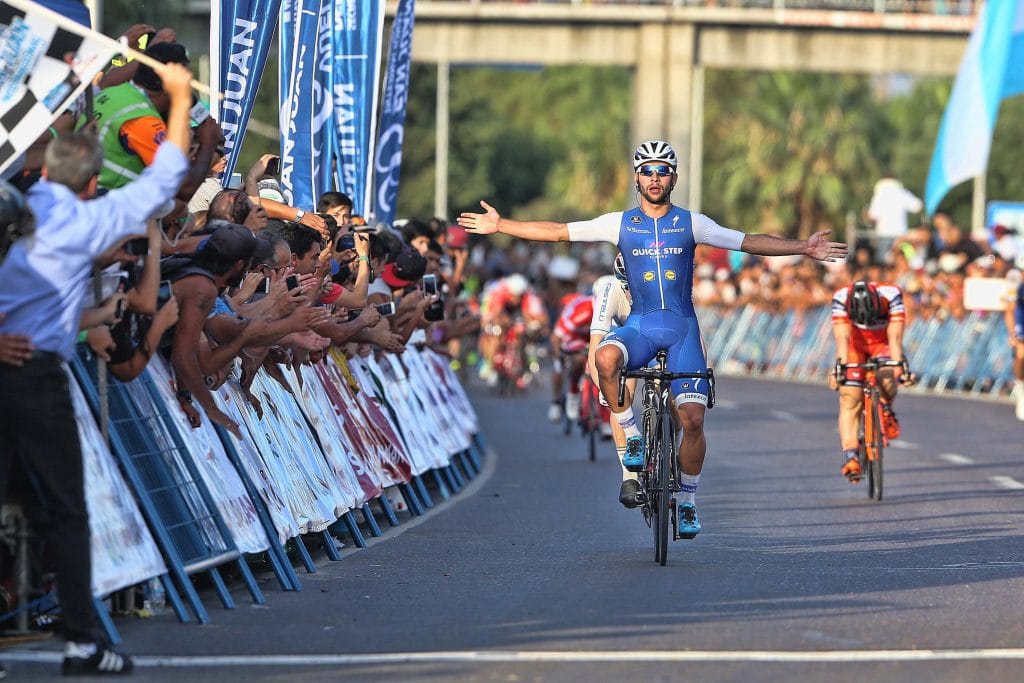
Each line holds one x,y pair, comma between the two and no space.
978,204
76,28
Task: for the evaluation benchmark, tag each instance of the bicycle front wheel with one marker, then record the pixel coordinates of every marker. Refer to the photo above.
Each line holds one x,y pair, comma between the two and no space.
876,447
662,488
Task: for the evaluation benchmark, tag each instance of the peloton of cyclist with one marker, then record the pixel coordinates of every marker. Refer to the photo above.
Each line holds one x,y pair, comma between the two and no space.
612,306
506,301
657,240
867,322
568,340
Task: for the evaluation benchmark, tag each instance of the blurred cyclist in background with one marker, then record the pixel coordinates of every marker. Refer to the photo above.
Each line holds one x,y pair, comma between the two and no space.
569,339
506,301
867,322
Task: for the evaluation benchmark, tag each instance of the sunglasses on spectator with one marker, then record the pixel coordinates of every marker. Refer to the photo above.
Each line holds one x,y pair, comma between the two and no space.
659,170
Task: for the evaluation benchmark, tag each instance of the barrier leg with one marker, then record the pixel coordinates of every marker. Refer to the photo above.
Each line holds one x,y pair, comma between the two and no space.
221,588
459,461
476,456
468,463
385,507
283,569
452,484
174,598
442,488
353,529
250,582
481,444
106,622
421,490
327,541
202,616
307,561
371,521
456,476
415,509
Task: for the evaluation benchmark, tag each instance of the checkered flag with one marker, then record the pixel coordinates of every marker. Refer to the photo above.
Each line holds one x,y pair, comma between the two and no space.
46,61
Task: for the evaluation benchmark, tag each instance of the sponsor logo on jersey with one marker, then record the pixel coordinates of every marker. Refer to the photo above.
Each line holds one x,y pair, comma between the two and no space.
654,251
670,275
649,276
636,220
639,231
668,231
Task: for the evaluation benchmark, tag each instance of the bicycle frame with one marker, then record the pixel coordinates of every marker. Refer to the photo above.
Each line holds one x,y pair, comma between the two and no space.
660,477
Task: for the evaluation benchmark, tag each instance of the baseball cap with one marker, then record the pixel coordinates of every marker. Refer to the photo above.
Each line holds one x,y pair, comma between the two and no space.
458,238
407,268
230,241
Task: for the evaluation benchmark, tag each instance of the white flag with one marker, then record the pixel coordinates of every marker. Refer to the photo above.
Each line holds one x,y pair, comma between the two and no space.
43,69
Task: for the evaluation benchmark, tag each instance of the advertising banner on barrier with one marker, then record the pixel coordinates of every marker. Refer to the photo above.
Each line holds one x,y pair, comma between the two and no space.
387,158
240,38
358,28
207,452
305,111
123,550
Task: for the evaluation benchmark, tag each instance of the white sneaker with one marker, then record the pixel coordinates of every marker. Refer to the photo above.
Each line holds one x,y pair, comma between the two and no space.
554,412
1019,388
572,407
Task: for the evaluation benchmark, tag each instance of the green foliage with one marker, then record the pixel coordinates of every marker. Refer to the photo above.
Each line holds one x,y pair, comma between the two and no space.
120,14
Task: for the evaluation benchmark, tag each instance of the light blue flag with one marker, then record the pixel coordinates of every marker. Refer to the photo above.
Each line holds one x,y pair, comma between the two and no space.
358,29
992,70
387,161
304,86
239,45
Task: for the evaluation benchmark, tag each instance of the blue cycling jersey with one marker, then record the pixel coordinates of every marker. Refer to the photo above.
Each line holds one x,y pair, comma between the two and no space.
658,254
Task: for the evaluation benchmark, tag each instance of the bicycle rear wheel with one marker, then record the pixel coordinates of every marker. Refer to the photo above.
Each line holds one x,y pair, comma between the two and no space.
662,488
875,446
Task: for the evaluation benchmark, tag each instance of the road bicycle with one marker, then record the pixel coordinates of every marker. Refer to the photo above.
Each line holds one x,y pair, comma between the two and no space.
592,414
871,434
660,477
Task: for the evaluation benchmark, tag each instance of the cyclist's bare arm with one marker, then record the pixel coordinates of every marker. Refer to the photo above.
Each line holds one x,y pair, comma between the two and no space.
894,331
491,221
817,246
841,334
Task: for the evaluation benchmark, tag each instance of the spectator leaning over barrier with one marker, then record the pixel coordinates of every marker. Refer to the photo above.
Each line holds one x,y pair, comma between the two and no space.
42,291
401,276
1015,327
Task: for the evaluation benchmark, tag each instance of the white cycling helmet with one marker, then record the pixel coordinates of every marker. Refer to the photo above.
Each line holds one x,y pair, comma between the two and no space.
563,268
517,284
654,150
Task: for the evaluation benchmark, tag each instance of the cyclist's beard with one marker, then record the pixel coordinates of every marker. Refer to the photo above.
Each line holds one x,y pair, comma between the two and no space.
664,198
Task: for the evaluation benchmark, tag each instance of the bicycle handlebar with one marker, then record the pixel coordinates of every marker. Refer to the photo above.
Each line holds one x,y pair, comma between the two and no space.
655,373
840,369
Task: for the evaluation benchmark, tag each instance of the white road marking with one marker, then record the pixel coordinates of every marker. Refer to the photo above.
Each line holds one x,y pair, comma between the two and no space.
1007,483
904,445
513,657
726,403
956,459
784,416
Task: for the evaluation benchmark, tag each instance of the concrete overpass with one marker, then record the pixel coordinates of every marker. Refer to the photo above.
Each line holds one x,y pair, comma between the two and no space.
668,48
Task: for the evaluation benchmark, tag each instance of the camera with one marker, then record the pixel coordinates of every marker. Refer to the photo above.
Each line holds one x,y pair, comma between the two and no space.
137,247
346,241
274,166
430,285
164,293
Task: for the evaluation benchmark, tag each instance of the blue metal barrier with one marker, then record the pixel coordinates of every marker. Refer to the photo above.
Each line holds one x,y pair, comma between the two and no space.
970,355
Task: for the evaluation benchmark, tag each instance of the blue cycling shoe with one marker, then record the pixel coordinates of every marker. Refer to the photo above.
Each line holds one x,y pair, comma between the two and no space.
689,525
633,458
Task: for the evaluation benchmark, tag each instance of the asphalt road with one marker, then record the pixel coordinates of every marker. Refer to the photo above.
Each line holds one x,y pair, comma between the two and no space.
536,573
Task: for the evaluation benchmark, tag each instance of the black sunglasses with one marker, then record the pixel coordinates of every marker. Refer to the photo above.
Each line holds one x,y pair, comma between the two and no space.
659,170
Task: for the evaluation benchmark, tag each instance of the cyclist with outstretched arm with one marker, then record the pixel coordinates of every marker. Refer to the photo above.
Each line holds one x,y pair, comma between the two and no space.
657,240
867,322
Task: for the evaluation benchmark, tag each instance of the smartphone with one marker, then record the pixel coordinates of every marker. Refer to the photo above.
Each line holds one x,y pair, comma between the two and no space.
137,247
386,309
264,286
235,181
292,282
119,308
164,293
430,285
274,166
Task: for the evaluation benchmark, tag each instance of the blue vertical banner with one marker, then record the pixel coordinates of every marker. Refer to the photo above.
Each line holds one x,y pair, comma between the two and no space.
989,73
239,46
304,87
358,27
387,162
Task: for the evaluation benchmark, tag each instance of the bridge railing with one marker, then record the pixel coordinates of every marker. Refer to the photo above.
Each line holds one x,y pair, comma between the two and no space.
935,7
971,355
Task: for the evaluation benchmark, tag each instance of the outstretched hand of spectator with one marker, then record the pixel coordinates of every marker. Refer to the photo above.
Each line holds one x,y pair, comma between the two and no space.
100,341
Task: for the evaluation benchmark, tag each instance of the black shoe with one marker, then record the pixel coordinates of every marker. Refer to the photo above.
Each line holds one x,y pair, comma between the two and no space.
93,659
629,493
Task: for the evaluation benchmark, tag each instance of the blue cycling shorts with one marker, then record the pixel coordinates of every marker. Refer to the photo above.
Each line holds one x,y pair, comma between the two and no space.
642,336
